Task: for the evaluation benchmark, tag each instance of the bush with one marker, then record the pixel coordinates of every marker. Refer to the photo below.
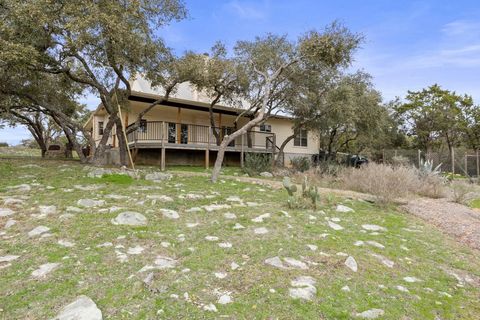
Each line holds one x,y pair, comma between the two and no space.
388,183
301,164
257,162
460,191
3,144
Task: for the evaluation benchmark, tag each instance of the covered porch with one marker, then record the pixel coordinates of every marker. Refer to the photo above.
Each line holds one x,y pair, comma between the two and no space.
193,138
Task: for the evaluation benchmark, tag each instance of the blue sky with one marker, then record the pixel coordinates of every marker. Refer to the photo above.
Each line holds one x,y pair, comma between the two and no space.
408,44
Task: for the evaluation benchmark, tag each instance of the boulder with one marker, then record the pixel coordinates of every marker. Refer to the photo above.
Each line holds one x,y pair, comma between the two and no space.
266,174
158,176
83,308
130,218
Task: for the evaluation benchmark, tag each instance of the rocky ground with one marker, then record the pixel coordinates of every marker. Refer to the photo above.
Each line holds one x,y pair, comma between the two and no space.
114,245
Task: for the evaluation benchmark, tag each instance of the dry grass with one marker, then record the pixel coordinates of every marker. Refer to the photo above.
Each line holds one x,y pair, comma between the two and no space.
388,183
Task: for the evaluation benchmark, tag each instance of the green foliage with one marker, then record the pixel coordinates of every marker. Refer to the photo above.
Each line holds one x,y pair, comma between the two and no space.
301,164
255,163
116,179
308,192
426,168
3,144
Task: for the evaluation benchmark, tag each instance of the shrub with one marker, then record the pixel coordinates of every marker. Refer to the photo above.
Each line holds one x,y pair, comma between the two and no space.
3,144
460,191
388,183
256,163
400,161
301,164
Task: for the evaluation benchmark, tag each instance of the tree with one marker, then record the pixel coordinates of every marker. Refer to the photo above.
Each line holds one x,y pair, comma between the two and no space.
435,116
99,44
268,64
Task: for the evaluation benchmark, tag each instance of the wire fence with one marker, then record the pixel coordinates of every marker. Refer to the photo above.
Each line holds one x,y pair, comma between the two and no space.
458,160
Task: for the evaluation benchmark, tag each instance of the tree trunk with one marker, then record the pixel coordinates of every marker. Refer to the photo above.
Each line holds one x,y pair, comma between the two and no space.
280,155
98,156
122,143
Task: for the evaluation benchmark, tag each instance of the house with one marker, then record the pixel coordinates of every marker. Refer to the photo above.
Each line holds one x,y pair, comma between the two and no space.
178,132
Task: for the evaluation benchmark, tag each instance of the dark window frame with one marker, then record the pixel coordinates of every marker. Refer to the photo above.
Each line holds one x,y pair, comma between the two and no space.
100,128
265,127
143,126
301,138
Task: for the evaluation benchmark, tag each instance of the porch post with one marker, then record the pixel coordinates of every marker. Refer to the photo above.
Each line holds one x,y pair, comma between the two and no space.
241,152
162,154
274,147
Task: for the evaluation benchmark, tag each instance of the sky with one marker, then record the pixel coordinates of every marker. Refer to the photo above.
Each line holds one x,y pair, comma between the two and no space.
408,45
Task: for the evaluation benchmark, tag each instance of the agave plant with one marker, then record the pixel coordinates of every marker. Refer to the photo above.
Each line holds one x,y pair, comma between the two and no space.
426,168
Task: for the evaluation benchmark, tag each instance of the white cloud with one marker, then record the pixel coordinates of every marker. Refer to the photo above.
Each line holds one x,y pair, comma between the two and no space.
461,27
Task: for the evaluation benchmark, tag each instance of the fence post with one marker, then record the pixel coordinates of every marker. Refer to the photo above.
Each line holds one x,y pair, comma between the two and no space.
452,155
241,150
419,152
383,156
478,165
466,164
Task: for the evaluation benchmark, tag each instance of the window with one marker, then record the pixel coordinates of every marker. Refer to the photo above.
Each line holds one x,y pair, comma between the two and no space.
265,128
143,126
183,133
172,133
100,128
301,138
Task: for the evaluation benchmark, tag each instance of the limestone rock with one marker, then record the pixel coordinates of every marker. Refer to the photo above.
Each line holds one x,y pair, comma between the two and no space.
38,231
351,264
83,308
371,314
130,218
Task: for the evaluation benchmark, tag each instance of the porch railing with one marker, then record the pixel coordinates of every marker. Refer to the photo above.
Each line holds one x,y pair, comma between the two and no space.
168,133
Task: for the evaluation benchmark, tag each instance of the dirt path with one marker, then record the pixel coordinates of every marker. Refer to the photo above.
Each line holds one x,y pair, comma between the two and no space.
454,219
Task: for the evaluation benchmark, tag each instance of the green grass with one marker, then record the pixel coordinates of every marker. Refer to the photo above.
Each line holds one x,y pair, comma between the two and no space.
475,203
115,179
119,292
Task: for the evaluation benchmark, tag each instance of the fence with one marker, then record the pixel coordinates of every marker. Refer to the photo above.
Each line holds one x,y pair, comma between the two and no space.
458,160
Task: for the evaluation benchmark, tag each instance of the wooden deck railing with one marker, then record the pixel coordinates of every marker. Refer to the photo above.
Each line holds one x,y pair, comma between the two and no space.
171,133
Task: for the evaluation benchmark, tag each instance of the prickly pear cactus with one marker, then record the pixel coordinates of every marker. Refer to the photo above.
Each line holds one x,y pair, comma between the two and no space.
314,195
291,188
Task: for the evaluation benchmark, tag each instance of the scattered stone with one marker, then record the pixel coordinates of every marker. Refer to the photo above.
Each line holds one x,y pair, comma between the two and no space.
342,208
225,245
21,188
135,250
334,226
158,176
351,264
402,288
346,289
8,258
304,288
38,231
225,299
266,174
275,262
46,210
161,262
90,203
10,223
105,244
194,209
5,212
376,244
234,199
162,198
215,207
371,314
130,218
192,224
388,263
238,226
44,270
359,243
12,202
234,266
261,230
170,214
252,204
260,218
335,219
229,215
296,263
211,238
210,307
220,275
445,294
74,209
65,243
373,227
411,279
83,308
312,247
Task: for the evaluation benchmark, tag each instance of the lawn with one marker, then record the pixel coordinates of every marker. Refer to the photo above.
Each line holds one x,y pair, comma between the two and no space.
216,269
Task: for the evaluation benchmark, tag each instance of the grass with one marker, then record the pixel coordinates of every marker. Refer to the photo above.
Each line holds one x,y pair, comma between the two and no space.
118,288
475,203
